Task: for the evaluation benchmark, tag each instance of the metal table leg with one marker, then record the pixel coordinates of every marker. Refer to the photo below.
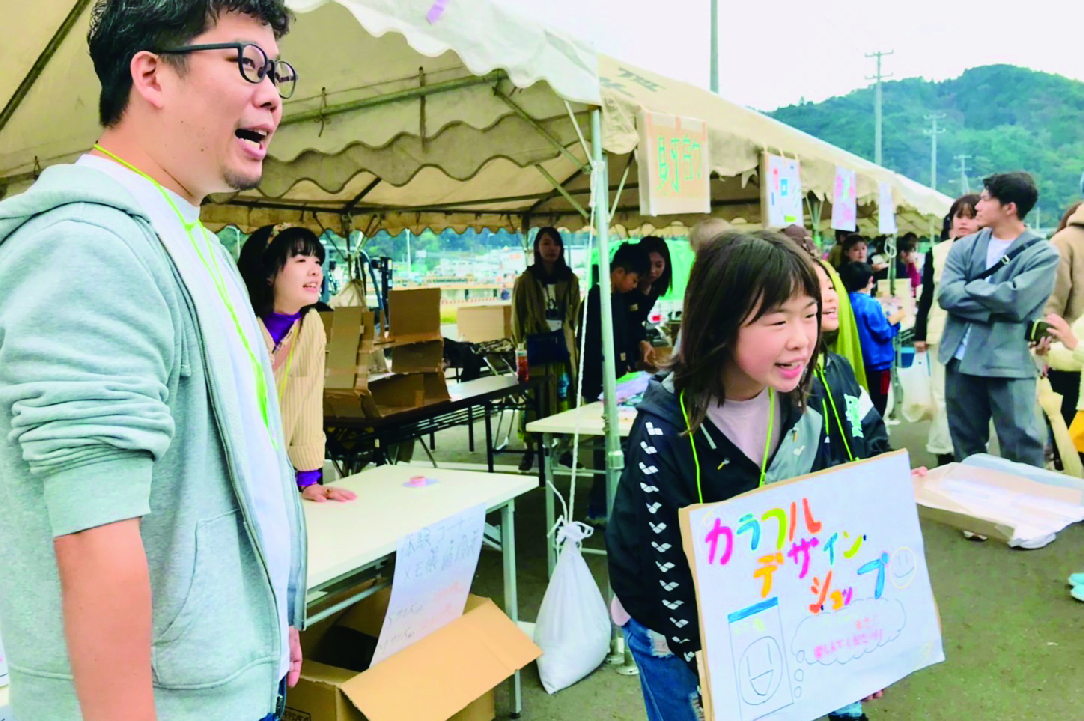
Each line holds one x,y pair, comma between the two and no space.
511,596
470,428
546,460
488,407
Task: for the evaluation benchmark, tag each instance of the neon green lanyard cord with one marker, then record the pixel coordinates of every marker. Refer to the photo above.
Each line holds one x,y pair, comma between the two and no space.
842,432
767,441
220,285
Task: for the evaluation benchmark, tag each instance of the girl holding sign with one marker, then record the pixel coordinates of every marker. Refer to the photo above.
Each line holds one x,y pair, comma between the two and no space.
728,418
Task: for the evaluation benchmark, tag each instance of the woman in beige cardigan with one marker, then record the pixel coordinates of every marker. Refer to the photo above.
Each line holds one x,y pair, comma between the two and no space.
546,302
283,269
930,320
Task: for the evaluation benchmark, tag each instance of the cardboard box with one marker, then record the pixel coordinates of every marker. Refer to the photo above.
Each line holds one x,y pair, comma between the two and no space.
484,322
427,357
449,674
349,345
414,315
1005,506
387,394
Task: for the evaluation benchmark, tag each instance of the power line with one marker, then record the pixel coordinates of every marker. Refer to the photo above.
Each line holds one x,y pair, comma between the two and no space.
933,131
877,144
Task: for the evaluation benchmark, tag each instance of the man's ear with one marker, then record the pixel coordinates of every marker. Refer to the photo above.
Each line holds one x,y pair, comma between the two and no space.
1011,209
146,77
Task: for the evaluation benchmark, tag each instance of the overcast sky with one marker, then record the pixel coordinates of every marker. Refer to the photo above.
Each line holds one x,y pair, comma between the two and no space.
774,53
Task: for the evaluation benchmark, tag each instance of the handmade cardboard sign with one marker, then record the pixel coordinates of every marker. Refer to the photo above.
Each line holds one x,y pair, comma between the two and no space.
813,593
673,165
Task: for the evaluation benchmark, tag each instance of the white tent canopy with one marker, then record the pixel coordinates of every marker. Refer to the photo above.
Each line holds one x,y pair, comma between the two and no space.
399,122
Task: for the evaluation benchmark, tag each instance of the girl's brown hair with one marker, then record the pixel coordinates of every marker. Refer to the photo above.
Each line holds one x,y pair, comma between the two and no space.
1068,214
737,279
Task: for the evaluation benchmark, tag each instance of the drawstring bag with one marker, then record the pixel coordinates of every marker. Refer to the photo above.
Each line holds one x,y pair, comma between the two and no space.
573,628
917,390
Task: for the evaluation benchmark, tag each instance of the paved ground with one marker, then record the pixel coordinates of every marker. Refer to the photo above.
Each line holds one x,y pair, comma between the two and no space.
1013,637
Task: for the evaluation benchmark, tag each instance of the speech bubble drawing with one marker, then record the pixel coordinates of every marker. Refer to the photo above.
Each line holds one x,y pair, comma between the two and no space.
848,634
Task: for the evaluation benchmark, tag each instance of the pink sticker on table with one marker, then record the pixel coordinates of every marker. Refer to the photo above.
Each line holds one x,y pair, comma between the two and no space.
436,11
419,482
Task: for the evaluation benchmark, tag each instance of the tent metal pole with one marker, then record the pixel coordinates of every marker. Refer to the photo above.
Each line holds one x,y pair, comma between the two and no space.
43,59
562,191
399,96
526,117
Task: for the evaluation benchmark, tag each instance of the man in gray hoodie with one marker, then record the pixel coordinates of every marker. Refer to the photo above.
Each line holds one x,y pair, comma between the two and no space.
153,537
994,284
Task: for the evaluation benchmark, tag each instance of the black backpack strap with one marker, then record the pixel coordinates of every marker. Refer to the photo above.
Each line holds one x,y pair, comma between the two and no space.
1006,259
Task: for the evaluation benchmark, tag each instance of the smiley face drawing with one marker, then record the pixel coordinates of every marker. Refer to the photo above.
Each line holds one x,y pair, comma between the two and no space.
902,568
760,671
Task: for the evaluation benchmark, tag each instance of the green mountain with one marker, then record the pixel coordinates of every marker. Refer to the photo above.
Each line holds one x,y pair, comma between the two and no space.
1005,117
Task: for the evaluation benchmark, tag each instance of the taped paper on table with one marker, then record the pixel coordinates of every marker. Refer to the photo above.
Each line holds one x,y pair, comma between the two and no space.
433,572
812,593
1022,506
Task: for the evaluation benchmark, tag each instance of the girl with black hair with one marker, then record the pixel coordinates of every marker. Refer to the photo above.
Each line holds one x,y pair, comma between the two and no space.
283,270
545,304
658,281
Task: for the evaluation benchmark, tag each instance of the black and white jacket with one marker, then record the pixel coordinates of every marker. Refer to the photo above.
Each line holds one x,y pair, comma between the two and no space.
648,567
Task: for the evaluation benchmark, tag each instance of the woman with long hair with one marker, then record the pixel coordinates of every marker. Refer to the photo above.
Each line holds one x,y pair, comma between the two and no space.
930,319
283,268
545,304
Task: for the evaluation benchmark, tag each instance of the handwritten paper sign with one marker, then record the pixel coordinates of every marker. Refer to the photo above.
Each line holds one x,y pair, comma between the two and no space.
782,192
845,200
812,594
886,210
433,572
673,165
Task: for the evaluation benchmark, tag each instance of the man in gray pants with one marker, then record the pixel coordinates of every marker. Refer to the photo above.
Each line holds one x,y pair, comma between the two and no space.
994,284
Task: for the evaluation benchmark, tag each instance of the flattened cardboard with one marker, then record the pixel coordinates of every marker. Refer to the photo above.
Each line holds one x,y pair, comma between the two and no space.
436,388
414,314
935,504
427,357
449,674
350,342
484,322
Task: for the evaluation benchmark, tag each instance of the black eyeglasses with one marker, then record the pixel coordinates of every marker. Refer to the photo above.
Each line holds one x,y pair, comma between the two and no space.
253,63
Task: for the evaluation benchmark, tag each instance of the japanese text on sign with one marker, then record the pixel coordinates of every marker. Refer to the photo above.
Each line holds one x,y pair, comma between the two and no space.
673,165
433,572
782,191
812,594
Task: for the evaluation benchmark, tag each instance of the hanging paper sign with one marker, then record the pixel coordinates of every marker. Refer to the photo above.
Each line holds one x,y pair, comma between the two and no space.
673,165
845,200
812,594
782,192
886,210
433,572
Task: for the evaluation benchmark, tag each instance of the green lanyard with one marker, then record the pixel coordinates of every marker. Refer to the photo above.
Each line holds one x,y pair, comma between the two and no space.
220,285
842,432
767,441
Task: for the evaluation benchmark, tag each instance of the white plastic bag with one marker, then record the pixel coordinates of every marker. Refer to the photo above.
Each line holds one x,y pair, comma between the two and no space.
917,392
573,628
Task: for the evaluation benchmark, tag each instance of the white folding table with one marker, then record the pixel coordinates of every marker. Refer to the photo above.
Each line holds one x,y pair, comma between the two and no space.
587,421
351,543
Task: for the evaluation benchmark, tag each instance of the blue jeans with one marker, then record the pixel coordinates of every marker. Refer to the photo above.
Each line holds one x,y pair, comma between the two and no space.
671,689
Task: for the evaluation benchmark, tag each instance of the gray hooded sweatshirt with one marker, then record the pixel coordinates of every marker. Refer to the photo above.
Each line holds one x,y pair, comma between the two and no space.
113,406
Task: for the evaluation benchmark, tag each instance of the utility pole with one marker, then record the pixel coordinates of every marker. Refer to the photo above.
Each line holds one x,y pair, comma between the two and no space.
877,148
715,46
933,132
962,159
